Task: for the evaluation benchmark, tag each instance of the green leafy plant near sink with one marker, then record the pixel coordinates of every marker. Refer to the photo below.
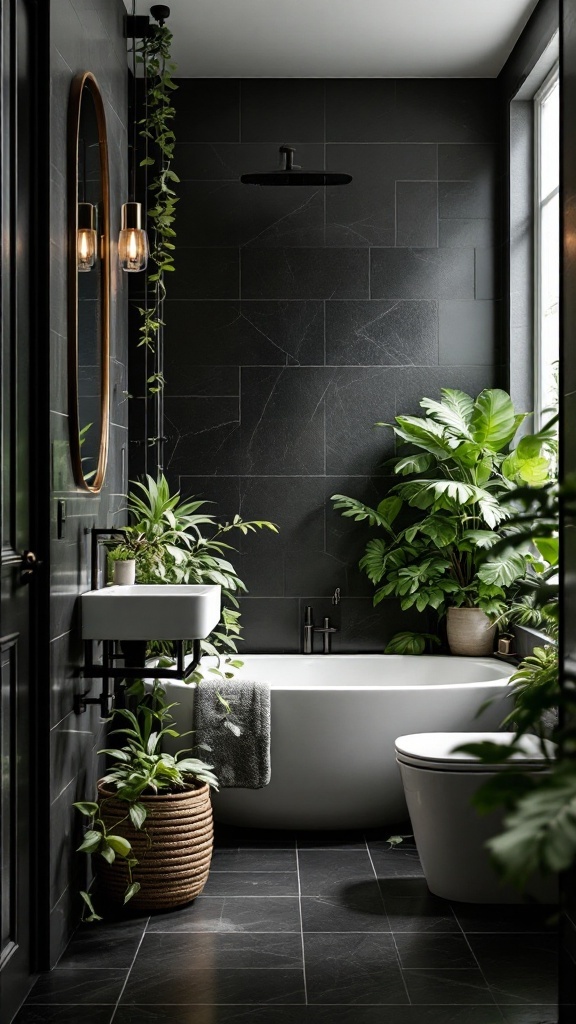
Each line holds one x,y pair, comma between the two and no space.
177,541
454,509
139,769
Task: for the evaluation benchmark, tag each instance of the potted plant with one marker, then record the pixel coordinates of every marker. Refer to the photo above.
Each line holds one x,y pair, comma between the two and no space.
176,541
122,562
152,825
454,510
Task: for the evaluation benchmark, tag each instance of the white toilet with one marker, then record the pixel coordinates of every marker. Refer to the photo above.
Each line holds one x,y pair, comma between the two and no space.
449,833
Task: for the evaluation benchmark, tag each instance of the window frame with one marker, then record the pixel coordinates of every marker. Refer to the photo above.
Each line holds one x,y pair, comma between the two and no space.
551,80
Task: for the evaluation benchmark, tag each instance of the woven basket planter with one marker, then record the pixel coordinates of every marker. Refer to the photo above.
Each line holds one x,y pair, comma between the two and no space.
470,632
173,849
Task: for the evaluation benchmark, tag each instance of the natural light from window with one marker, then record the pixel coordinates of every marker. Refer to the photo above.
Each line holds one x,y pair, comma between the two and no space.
547,239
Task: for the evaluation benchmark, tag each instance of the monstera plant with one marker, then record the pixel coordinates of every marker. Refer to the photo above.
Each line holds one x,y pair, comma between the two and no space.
438,528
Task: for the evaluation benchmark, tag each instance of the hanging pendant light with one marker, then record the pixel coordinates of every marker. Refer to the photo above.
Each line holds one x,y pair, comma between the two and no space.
86,240
133,249
133,240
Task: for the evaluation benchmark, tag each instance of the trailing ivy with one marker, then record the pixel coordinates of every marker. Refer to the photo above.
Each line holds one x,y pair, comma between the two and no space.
154,55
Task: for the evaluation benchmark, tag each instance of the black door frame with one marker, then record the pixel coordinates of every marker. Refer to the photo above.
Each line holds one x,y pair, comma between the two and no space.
25,140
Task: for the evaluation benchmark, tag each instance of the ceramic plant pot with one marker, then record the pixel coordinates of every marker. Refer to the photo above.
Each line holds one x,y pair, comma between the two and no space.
125,572
470,632
173,849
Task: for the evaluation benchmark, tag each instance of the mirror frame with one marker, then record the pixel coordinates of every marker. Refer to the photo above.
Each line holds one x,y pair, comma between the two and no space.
81,81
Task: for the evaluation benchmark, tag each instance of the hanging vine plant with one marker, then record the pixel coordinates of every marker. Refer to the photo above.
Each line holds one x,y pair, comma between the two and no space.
155,55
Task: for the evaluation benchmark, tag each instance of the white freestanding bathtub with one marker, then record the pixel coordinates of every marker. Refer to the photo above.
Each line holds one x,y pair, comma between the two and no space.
334,722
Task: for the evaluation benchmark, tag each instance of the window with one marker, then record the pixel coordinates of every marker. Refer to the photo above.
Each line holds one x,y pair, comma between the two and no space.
547,247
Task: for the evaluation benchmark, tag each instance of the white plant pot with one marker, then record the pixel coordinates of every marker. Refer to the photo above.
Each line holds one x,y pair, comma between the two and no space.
125,573
470,632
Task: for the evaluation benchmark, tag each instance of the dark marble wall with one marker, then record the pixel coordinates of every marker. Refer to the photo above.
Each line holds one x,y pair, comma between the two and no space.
84,37
297,317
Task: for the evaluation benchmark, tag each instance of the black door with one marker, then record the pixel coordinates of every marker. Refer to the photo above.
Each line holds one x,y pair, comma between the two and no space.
20,582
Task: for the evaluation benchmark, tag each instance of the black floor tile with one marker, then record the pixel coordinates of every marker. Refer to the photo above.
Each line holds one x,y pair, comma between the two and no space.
64,1015
253,860
396,863
331,840
170,956
78,986
106,944
231,914
423,914
446,986
140,1014
520,968
434,950
477,917
252,883
404,888
215,986
333,872
360,968
358,909
542,1014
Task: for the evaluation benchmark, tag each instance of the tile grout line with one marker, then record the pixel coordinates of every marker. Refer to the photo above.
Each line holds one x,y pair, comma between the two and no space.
301,926
398,961
476,960
122,990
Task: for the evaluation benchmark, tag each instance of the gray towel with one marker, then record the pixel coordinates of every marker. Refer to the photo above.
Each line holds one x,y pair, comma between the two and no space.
239,739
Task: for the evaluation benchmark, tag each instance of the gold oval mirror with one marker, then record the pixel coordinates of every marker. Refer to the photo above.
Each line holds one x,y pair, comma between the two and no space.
88,283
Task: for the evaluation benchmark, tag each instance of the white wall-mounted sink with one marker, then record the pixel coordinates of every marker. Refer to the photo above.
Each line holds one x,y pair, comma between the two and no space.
150,612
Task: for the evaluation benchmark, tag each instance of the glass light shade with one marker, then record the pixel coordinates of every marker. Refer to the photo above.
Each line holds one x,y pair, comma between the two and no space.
133,240
86,241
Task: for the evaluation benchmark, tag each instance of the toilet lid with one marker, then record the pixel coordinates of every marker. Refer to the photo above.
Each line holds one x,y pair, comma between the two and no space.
436,750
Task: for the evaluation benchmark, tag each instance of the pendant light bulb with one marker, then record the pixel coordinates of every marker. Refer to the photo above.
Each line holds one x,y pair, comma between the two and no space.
133,240
86,241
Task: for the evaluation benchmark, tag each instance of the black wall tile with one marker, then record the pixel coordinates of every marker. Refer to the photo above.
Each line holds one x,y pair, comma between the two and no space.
283,419
363,212
290,354
200,381
270,625
202,434
360,110
416,213
381,333
440,110
460,232
422,274
207,110
242,334
205,273
286,110
227,213
305,274
467,332
465,200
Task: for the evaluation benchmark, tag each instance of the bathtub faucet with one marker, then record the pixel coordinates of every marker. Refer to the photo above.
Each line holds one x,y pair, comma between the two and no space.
310,629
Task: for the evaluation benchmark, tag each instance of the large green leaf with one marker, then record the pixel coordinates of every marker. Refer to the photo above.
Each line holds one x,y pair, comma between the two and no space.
541,832
454,411
442,531
504,569
493,423
413,464
406,643
424,434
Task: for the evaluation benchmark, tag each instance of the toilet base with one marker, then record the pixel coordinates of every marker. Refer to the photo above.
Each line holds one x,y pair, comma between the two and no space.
450,837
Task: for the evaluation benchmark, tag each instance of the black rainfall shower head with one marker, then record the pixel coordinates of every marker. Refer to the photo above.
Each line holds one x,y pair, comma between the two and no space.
290,174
